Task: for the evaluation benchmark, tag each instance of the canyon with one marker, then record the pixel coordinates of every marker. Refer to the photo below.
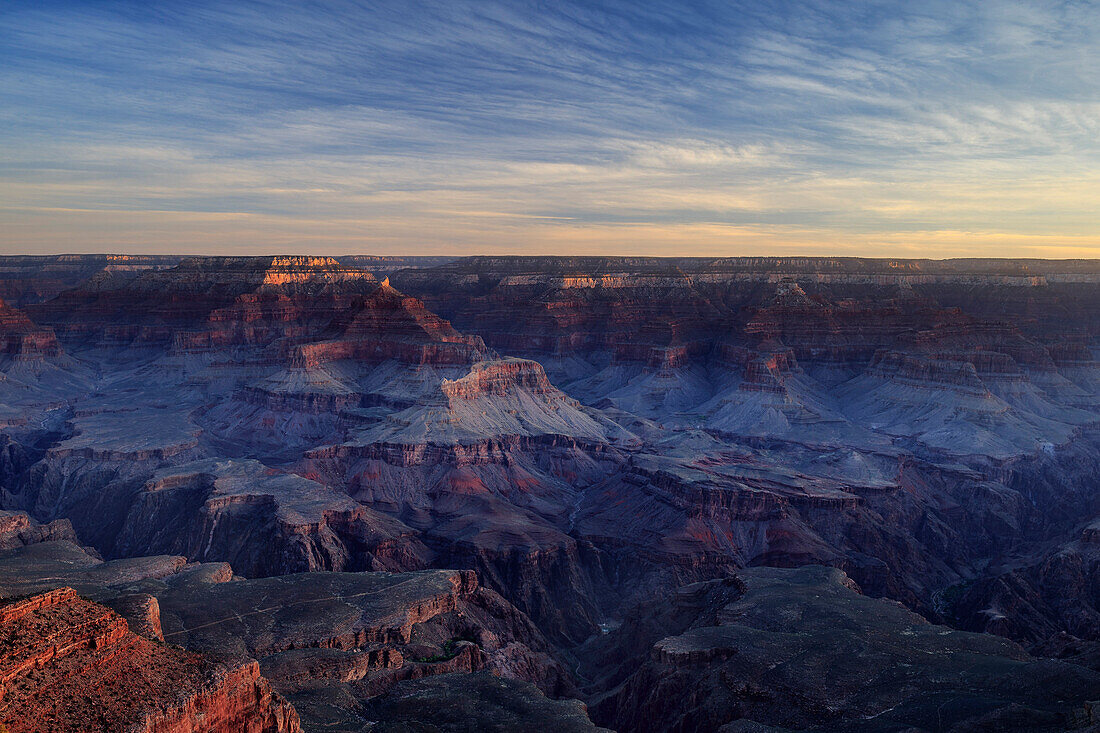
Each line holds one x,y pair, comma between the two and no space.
493,493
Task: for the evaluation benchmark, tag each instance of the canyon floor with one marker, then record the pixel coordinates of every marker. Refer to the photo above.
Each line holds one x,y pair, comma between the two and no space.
536,493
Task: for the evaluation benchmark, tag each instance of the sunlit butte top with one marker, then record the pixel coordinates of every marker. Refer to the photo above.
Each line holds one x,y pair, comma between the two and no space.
933,129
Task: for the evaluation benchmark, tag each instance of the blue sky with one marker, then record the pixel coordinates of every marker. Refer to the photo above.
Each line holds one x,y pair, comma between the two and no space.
870,128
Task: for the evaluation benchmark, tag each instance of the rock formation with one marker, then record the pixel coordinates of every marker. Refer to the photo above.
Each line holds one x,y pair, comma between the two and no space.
802,649
585,435
69,664
328,642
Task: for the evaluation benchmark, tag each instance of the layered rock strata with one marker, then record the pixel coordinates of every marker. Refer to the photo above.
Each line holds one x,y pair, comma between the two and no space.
328,642
927,427
68,664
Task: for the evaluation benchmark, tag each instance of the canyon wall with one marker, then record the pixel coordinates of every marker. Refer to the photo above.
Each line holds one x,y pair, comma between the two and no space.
585,435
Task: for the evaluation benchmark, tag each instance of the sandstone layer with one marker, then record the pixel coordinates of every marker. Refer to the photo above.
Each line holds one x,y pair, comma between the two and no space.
69,664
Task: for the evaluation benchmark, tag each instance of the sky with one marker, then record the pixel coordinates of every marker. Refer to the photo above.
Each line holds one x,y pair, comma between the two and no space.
908,129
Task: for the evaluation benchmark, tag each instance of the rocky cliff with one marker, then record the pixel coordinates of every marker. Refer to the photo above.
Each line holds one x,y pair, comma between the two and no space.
329,642
68,664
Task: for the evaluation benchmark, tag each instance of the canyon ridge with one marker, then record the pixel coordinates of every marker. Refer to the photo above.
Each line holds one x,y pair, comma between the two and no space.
358,493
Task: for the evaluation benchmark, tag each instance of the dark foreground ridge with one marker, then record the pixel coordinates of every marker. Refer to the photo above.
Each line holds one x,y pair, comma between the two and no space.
501,493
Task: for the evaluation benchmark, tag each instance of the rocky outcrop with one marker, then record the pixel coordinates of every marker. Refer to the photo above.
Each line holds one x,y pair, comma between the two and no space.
206,303
18,529
36,375
354,635
341,638
242,700
262,521
67,664
1053,595
142,613
476,468
499,378
91,478
803,649
21,339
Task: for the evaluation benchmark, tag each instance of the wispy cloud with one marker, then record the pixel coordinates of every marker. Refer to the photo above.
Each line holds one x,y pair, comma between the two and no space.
578,126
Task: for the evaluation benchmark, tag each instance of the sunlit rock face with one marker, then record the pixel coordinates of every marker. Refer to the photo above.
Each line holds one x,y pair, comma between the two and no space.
214,651
585,435
206,302
73,665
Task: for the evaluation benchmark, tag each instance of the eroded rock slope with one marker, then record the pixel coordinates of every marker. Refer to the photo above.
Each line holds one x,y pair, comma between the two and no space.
585,434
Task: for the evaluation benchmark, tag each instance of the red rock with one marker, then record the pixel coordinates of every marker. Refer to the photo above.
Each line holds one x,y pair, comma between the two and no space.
67,664
22,339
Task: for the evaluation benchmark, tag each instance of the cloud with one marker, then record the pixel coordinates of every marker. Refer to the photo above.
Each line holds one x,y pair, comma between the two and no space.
523,126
